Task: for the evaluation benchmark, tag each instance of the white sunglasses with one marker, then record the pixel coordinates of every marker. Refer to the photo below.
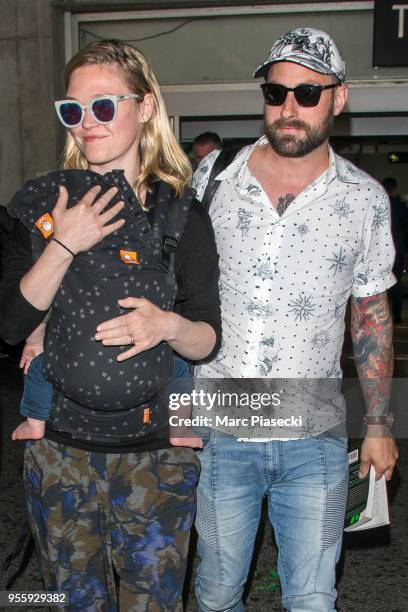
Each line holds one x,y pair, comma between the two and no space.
103,109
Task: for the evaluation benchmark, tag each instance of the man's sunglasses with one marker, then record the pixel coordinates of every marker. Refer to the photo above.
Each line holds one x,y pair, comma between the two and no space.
103,109
305,95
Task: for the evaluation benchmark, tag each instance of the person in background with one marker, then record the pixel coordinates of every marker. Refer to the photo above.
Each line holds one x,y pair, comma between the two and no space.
205,143
399,218
208,151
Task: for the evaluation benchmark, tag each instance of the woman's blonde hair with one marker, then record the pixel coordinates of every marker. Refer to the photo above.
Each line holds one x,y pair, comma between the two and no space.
160,154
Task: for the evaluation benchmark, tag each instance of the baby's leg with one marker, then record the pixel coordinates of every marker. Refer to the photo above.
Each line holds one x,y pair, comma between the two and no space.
181,384
184,436
31,429
181,433
35,404
193,442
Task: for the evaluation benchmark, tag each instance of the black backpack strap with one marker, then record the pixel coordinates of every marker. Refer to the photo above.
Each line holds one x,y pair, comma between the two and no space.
177,212
223,160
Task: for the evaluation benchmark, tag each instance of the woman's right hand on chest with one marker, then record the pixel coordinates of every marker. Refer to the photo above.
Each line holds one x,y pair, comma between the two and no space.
82,226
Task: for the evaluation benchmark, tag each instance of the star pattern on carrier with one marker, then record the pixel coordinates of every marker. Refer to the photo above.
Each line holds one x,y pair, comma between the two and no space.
88,296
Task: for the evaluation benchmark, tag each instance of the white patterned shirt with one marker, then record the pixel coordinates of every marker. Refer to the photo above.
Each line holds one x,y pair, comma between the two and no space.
285,280
202,172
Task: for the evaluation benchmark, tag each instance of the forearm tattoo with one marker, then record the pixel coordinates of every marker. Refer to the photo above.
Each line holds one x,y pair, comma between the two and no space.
283,203
371,332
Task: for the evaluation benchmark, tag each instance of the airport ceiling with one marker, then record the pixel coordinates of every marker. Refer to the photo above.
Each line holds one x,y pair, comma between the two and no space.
120,5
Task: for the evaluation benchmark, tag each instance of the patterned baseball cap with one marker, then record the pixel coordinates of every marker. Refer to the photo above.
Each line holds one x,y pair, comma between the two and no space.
308,47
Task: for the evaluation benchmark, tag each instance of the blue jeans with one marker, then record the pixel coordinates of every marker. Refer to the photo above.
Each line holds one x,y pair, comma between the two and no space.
305,482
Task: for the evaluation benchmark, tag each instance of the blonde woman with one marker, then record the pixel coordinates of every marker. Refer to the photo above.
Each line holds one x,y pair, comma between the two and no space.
125,256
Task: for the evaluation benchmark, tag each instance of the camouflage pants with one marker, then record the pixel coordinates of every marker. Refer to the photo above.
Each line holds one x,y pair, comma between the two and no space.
112,530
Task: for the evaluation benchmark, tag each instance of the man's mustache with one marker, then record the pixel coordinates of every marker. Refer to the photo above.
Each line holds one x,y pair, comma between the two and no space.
294,123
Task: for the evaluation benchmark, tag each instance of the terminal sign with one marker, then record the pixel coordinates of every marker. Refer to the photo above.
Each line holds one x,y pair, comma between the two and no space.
390,33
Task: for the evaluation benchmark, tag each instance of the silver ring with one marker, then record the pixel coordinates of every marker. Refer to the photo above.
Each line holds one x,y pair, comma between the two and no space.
132,339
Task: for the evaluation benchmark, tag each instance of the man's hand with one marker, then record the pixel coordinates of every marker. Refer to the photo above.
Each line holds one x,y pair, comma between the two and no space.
381,452
371,331
144,327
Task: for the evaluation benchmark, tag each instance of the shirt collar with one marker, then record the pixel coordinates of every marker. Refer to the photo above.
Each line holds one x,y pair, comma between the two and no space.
238,169
345,171
338,168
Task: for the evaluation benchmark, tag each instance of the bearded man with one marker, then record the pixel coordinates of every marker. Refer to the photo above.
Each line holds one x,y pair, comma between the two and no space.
317,232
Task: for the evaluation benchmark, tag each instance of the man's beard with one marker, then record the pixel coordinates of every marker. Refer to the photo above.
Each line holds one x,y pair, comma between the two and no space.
290,145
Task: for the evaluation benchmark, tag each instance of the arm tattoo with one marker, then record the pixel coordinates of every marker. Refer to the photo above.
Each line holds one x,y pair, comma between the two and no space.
283,203
371,332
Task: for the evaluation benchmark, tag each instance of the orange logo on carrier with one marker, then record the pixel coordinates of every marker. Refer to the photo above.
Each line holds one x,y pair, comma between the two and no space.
129,257
147,415
46,225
